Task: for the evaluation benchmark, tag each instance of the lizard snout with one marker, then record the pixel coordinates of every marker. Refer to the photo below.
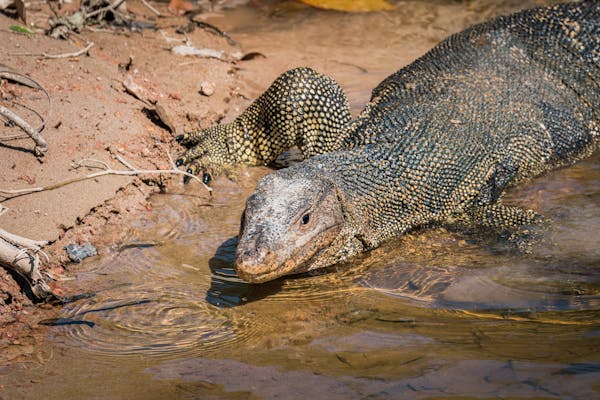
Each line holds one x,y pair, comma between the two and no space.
255,265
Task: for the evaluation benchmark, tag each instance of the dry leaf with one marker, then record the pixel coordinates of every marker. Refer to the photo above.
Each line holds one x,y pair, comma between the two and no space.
350,5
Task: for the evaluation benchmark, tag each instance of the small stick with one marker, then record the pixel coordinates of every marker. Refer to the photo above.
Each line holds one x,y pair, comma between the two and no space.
12,193
154,10
125,163
169,39
104,165
103,9
171,162
55,56
8,73
41,145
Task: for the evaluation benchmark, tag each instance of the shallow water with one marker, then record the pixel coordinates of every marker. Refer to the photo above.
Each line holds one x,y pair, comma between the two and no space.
436,314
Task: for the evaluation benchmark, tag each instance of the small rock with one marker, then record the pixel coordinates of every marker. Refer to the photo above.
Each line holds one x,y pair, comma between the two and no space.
77,253
207,88
175,96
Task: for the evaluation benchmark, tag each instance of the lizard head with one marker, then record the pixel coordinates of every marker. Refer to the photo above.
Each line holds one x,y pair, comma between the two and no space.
289,222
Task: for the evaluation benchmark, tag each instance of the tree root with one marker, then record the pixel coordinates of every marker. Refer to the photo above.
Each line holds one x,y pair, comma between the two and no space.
21,255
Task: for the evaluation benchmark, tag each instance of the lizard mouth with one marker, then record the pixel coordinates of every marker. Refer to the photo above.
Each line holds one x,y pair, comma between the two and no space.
263,266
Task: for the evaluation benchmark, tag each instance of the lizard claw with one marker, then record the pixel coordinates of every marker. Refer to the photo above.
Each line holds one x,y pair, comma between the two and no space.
186,178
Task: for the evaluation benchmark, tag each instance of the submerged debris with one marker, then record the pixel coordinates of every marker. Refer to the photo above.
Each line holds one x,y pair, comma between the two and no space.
65,322
79,252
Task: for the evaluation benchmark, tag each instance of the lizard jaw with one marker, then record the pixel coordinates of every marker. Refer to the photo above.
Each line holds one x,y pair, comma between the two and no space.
264,266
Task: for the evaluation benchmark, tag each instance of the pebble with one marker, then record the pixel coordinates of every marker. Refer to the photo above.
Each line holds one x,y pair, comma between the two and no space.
77,253
207,88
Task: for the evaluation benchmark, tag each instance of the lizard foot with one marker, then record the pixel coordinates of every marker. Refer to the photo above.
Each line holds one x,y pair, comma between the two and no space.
519,228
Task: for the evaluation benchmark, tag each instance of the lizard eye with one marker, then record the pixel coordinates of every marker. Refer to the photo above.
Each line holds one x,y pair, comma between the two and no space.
305,219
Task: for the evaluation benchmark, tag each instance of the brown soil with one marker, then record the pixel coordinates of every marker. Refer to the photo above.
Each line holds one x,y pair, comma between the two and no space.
91,112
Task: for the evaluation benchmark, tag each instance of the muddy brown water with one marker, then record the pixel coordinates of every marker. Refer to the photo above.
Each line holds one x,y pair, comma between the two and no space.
436,314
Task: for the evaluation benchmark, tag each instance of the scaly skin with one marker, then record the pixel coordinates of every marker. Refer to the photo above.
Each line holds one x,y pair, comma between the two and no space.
301,108
439,143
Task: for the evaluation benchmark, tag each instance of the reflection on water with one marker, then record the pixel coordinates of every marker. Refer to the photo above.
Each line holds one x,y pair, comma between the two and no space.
520,285
226,289
506,379
434,314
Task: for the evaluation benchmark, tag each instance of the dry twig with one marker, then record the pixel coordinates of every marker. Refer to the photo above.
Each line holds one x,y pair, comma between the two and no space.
105,170
56,56
40,144
10,74
110,7
154,10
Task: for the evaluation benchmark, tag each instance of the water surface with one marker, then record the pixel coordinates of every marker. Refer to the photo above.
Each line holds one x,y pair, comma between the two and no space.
436,314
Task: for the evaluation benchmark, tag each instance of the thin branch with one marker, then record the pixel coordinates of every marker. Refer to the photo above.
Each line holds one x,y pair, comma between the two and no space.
154,10
12,193
171,162
170,39
110,7
40,144
104,166
34,111
10,74
125,163
55,56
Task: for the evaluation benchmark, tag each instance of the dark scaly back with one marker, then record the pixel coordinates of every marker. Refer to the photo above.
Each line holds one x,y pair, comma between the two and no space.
488,107
564,41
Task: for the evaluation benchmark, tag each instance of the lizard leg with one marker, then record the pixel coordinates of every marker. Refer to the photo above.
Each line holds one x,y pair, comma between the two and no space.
190,155
519,227
301,108
189,139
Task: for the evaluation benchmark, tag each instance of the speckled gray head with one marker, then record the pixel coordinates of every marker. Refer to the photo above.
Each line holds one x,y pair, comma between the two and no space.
289,222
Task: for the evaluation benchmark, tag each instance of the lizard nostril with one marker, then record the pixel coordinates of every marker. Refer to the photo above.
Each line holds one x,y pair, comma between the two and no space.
263,254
